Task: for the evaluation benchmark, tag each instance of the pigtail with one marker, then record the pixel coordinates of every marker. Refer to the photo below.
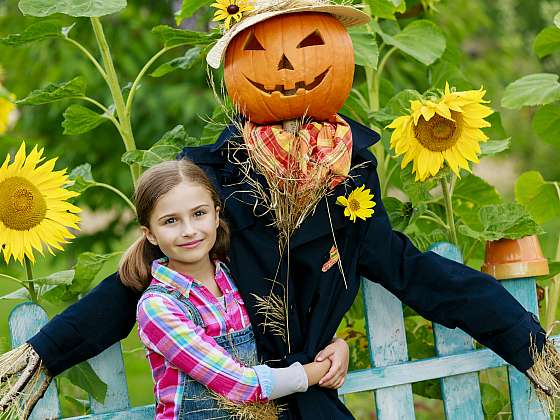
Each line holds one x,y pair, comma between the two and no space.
220,250
135,265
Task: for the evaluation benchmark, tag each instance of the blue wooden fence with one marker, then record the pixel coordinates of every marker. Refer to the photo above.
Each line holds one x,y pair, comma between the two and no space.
457,363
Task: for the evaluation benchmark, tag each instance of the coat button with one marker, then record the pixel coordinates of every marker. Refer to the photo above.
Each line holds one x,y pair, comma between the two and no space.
535,318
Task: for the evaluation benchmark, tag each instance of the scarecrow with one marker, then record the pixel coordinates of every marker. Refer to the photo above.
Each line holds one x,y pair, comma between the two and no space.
303,200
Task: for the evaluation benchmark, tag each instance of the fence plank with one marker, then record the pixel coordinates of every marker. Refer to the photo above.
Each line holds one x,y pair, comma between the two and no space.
524,403
109,366
25,321
387,345
461,393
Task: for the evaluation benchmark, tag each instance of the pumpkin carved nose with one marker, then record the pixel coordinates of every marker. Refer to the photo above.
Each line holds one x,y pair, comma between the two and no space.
285,64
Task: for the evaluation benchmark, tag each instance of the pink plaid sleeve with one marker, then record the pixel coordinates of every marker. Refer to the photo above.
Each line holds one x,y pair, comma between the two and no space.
164,329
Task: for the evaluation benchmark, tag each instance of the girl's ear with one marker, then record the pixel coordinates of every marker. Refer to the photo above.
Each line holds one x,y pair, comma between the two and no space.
148,235
217,217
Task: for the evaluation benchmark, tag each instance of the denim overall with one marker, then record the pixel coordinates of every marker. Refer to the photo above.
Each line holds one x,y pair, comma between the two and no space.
197,402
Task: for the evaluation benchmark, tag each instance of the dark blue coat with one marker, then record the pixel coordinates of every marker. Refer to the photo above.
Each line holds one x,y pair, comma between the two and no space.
439,289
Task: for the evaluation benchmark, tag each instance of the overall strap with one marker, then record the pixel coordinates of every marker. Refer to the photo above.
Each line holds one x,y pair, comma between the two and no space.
191,311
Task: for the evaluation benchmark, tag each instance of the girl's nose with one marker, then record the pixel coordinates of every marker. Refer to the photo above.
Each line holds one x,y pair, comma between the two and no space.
187,229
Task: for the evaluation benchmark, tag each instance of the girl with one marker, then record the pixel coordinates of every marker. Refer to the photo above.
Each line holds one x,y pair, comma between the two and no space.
191,317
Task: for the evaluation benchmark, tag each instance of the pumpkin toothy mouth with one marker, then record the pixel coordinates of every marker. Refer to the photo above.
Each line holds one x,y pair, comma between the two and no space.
300,87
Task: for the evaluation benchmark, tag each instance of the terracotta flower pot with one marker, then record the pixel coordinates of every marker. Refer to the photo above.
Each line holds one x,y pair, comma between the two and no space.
515,258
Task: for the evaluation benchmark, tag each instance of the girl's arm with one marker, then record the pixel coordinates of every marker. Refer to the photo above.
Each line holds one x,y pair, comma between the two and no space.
164,328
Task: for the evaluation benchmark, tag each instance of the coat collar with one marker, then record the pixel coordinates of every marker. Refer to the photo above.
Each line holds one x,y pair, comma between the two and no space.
240,205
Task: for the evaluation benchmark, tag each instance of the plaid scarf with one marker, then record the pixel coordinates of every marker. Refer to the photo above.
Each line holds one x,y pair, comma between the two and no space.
319,153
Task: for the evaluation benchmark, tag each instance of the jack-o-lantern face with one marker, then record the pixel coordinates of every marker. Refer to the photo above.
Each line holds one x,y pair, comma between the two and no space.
289,66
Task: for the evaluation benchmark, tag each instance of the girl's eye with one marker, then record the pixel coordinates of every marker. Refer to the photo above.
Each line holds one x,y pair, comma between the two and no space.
170,220
199,213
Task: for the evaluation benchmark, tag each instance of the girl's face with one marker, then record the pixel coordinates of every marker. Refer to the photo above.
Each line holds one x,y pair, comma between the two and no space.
183,224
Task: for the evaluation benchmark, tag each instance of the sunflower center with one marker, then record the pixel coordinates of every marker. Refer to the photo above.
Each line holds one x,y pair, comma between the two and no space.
22,205
439,133
353,204
232,9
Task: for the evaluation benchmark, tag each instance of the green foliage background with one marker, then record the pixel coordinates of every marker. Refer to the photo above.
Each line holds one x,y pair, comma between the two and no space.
489,44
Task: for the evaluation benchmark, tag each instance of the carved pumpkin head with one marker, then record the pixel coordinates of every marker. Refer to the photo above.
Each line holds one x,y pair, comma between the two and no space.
289,66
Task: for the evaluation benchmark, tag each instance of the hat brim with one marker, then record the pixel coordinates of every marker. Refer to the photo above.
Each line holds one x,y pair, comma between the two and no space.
348,16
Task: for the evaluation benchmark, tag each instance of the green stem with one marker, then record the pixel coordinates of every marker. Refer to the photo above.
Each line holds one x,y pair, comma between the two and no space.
134,86
106,112
449,211
96,103
89,56
380,68
118,192
21,283
113,82
30,285
554,290
390,173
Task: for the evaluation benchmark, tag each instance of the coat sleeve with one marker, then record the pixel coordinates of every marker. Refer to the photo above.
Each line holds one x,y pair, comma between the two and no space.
446,292
98,320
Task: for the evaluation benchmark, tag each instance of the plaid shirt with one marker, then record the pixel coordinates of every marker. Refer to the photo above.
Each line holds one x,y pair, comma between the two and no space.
176,346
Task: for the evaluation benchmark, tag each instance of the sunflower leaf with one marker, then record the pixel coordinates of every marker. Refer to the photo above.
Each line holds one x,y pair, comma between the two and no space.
173,37
493,147
494,401
539,197
421,39
62,277
87,267
366,52
397,106
76,8
509,220
74,88
185,62
83,376
19,294
534,89
418,192
386,9
546,123
79,120
188,8
469,195
35,32
547,42
166,148
82,178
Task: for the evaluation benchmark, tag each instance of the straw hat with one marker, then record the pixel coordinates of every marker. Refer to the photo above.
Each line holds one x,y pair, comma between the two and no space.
266,9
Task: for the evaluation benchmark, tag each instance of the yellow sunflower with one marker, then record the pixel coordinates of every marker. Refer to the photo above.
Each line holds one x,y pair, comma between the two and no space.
229,10
358,204
441,131
33,208
7,106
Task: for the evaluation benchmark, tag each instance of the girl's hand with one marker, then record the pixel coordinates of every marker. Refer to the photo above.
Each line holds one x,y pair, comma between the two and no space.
338,353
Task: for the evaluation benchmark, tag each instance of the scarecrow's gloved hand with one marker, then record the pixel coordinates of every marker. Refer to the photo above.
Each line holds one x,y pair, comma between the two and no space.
23,381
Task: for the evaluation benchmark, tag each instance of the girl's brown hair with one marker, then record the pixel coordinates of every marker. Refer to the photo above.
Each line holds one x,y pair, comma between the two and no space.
135,266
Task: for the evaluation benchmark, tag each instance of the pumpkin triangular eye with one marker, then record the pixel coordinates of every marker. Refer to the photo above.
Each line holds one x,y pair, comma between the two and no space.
314,38
252,43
